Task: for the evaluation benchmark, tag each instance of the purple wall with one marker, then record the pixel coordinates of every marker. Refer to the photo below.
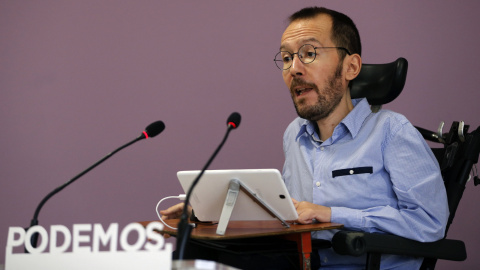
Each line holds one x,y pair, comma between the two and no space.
80,78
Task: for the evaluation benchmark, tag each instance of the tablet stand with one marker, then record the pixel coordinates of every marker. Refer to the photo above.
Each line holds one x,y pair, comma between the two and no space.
232,194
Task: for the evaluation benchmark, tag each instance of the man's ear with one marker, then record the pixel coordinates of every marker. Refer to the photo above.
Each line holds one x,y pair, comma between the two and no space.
354,64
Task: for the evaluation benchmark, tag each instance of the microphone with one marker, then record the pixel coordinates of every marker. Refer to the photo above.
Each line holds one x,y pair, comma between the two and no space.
151,131
184,228
233,120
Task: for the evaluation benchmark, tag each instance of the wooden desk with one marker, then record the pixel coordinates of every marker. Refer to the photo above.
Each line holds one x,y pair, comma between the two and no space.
248,229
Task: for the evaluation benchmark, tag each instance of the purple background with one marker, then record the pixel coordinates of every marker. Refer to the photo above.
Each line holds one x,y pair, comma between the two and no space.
80,78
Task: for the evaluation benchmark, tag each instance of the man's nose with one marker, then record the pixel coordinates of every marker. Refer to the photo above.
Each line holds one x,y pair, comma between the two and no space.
298,67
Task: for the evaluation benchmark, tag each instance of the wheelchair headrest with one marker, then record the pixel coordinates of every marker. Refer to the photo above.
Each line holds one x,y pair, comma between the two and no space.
380,83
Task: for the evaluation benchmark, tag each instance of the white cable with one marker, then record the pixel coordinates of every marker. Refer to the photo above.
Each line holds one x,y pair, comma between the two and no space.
181,197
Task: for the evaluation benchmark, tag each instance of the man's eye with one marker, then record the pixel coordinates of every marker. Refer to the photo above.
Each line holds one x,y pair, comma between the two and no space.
311,54
287,59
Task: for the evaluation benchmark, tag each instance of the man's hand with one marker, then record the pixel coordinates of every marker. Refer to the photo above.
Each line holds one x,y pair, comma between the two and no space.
307,212
174,211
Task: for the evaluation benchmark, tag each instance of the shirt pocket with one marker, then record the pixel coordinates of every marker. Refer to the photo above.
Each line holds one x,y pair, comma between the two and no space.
352,171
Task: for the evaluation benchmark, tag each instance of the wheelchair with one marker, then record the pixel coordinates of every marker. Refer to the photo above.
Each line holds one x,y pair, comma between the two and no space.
458,154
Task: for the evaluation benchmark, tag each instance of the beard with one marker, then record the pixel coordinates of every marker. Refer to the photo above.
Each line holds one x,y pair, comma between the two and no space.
328,98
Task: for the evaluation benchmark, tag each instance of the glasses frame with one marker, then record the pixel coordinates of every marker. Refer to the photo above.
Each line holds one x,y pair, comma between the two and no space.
293,55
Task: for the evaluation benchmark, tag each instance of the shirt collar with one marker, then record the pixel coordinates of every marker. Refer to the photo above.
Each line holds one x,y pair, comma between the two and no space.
307,128
352,122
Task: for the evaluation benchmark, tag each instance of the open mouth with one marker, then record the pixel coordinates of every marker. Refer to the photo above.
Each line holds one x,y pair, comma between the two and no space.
301,91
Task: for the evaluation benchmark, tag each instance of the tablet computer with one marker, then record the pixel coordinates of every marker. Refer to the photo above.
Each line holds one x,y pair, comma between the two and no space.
208,196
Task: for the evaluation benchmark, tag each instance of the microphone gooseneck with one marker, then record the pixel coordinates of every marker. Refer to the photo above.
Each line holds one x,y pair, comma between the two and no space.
184,228
151,130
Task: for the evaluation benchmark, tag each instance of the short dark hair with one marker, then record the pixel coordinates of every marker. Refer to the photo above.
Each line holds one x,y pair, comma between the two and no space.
344,32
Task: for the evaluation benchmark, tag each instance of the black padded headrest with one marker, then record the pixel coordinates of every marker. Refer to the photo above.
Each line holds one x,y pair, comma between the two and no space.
380,83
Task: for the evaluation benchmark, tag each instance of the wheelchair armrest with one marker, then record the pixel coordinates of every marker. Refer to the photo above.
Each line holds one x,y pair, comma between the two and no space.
359,243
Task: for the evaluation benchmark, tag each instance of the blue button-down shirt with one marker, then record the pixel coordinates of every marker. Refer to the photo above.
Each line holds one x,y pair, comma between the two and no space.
377,174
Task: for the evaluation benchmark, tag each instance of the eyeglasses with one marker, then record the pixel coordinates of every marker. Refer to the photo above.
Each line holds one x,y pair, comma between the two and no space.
306,54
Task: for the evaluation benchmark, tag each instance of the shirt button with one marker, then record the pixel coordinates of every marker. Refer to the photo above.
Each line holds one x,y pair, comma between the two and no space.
317,184
351,172
322,148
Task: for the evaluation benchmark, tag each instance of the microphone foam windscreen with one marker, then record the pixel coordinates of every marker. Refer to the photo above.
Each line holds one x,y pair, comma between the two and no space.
234,119
155,128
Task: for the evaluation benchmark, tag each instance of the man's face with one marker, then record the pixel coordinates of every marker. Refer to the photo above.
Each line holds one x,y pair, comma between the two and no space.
318,87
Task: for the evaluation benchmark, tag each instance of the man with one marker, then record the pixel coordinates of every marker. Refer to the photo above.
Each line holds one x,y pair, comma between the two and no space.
343,163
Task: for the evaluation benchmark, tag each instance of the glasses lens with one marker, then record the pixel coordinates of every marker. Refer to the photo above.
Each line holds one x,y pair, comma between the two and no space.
283,60
307,53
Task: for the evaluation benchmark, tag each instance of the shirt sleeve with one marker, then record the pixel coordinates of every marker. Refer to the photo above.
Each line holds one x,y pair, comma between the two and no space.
422,210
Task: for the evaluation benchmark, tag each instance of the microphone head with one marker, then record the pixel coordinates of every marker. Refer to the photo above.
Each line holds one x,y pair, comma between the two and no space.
154,129
233,120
